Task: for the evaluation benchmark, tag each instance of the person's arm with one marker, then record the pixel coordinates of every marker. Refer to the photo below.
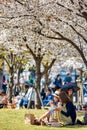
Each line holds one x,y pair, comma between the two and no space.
47,114
68,110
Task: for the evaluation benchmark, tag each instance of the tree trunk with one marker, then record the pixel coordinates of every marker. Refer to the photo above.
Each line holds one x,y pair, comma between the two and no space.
46,79
11,84
38,103
18,77
1,78
38,73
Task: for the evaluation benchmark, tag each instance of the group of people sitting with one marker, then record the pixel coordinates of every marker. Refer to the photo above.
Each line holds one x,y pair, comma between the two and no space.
46,94
19,100
62,110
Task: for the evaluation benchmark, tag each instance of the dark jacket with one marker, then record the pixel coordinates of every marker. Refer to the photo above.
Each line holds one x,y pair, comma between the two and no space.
67,80
57,82
70,111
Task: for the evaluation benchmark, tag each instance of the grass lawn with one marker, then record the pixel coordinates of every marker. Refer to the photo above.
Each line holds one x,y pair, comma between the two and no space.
11,119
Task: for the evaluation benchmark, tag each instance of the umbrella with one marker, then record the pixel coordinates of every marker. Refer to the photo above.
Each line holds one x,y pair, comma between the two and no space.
73,86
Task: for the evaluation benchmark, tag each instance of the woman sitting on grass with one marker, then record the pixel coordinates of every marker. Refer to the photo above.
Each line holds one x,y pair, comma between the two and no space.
52,117
67,110
65,114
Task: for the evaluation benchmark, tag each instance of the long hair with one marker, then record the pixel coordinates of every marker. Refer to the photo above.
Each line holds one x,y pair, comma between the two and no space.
64,97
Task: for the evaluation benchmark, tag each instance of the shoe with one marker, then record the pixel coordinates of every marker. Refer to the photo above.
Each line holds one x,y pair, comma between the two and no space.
79,122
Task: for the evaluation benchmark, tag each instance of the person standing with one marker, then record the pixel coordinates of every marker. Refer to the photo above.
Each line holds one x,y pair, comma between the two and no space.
68,78
57,82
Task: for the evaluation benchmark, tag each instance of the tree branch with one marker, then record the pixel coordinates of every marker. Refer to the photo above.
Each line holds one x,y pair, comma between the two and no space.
80,14
20,2
30,50
7,62
46,68
78,33
70,10
72,1
69,41
73,29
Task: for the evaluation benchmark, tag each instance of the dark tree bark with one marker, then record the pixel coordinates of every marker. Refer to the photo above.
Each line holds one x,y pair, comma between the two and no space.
38,60
11,83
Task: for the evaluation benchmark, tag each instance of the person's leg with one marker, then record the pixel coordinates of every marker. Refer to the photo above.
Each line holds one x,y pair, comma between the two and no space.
45,102
25,103
21,102
46,115
32,105
1,105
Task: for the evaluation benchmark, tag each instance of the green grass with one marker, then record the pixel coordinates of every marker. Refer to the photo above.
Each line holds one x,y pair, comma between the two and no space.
11,119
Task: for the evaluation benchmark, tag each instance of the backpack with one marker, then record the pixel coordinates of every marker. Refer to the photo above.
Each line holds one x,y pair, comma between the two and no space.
85,118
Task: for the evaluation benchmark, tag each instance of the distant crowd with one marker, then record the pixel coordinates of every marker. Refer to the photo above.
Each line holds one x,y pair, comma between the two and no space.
58,96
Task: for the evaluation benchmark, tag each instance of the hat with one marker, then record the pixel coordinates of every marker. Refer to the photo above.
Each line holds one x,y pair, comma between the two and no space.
56,94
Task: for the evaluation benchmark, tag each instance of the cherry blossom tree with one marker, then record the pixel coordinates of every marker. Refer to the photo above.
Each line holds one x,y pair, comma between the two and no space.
45,28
